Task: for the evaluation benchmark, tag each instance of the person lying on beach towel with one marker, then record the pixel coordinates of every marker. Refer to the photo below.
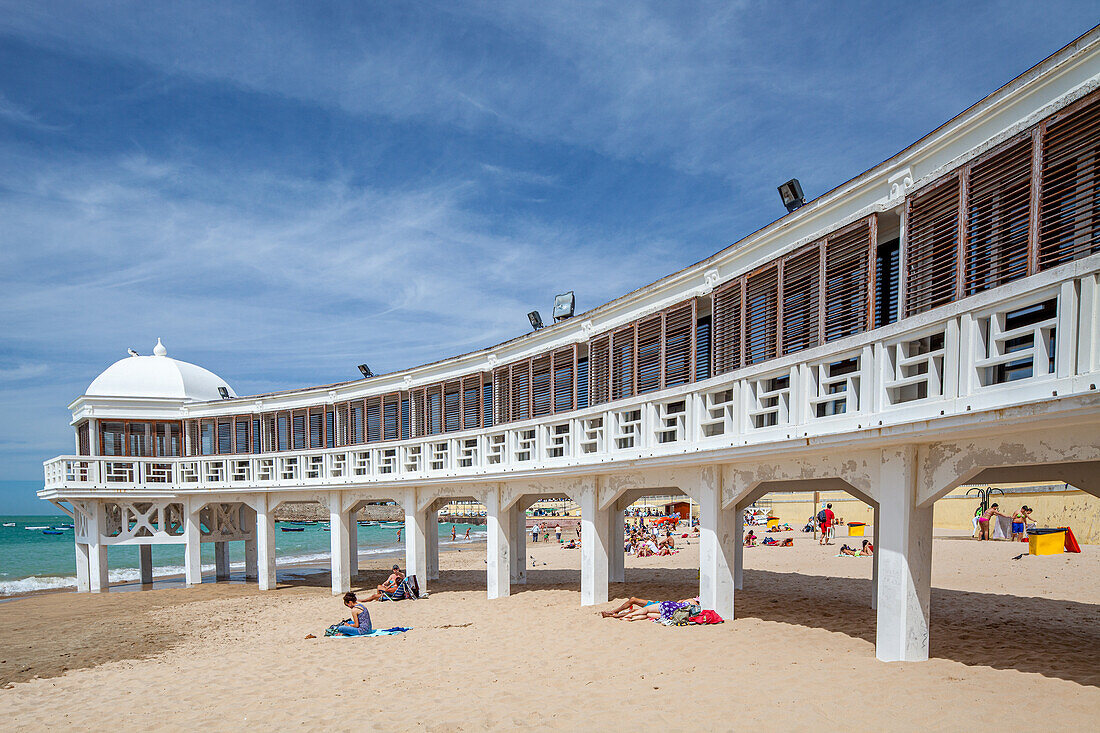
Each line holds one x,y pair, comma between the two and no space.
641,608
865,551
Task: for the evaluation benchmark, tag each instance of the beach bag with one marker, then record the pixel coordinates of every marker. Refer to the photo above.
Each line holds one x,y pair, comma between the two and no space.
335,628
680,616
821,516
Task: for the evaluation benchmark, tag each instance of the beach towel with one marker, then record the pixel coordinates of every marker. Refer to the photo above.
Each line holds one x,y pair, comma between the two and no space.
392,631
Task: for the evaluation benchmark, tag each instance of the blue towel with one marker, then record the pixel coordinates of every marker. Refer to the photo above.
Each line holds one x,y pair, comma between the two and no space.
389,632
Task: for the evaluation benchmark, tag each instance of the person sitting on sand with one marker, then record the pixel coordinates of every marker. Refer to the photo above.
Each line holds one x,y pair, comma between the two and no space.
389,586
360,618
570,545
750,539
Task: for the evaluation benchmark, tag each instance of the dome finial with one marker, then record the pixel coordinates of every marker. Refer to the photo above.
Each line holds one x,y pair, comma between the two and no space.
159,349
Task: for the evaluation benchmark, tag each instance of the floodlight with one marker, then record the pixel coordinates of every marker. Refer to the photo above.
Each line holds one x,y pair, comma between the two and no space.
563,306
366,370
224,392
792,195
535,319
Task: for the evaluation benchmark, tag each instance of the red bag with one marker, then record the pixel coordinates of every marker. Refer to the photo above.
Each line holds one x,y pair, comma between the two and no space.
706,617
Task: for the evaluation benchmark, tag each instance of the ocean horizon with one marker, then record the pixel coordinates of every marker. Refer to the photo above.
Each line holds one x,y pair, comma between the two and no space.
31,561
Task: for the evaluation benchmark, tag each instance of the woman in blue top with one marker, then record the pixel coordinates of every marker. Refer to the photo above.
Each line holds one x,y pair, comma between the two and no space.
360,618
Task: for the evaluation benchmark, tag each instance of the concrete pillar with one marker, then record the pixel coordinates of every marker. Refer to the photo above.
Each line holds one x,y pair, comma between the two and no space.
716,545
97,551
221,561
738,548
339,525
517,543
251,559
353,545
416,550
192,533
904,552
874,561
595,538
265,542
431,542
145,564
82,582
616,555
498,565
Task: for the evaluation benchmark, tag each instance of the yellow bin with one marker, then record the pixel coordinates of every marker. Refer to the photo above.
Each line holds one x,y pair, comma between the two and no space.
855,529
1051,542
773,522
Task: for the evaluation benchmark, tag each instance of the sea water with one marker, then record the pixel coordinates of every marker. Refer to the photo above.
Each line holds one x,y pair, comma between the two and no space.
32,561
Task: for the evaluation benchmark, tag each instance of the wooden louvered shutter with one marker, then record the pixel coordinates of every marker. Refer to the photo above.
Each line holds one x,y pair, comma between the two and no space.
192,427
931,246
241,434
726,327
565,377
391,416
298,429
417,413
649,353
998,213
452,407
599,370
520,377
502,396
801,299
358,433
623,351
761,314
679,345
225,435
848,280
433,408
542,398
84,439
1069,202
373,407
703,355
471,402
343,424
316,428
330,427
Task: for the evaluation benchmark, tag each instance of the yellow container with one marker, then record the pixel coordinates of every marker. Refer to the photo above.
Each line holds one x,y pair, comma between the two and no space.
773,522
855,530
1052,543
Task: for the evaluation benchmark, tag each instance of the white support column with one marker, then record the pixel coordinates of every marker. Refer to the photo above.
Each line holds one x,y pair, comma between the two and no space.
431,542
192,533
251,559
97,551
595,537
221,561
517,543
497,561
82,582
905,561
145,564
265,542
339,544
353,544
738,548
874,562
616,555
716,545
416,551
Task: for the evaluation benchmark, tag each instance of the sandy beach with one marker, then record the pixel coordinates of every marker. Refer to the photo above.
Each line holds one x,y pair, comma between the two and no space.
801,651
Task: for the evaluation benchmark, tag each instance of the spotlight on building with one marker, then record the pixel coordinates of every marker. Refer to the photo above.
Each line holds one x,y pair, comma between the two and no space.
224,392
535,319
366,370
563,306
792,195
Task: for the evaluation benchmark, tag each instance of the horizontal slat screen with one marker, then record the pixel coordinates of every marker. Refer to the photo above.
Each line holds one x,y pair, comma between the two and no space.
679,345
565,372
998,210
726,328
471,402
542,398
1069,209
623,362
801,299
521,390
452,407
888,279
761,315
502,395
847,281
599,370
932,238
649,354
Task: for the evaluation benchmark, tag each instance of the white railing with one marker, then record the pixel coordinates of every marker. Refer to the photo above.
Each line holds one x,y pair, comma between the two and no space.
1004,347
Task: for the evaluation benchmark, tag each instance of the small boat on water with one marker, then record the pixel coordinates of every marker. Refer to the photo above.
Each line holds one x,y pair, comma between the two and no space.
365,523
292,529
52,531
9,524
43,527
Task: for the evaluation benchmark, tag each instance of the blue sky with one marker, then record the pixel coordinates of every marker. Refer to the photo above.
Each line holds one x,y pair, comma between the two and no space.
281,191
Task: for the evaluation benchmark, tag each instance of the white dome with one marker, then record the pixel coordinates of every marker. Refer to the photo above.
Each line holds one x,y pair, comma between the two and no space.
157,376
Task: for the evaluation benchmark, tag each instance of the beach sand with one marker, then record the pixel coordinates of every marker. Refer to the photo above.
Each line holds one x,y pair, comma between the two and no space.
1006,634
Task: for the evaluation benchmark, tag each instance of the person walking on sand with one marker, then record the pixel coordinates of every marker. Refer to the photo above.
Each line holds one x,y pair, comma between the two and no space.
557,531
467,534
535,532
826,517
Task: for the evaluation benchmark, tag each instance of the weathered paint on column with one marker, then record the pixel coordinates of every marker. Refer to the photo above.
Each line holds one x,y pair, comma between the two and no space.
517,543
874,561
221,561
416,551
82,583
265,542
192,533
497,563
339,522
616,555
251,560
431,543
716,545
595,536
904,553
145,564
738,549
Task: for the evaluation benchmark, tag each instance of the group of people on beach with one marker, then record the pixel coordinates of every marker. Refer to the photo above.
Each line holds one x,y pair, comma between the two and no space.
360,624
1021,520
643,541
